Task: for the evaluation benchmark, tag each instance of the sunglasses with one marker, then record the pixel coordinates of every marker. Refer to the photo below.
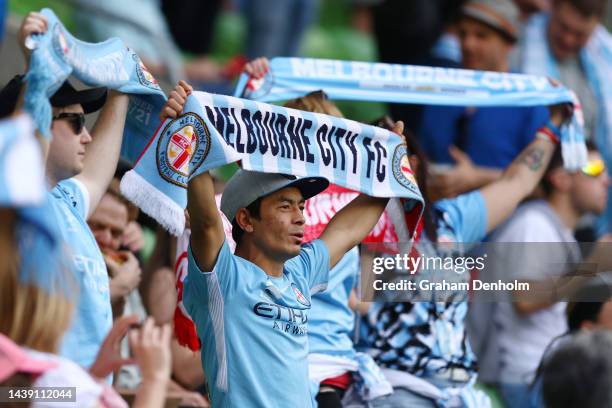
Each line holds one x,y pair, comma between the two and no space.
76,120
593,168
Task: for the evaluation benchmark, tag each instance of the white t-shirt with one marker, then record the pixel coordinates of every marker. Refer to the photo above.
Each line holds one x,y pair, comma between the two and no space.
522,340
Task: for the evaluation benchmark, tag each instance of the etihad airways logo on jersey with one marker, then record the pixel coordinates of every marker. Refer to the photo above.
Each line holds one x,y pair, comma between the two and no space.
286,319
280,312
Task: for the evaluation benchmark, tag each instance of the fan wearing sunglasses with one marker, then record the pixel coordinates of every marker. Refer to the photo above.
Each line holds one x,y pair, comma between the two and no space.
75,119
69,144
79,167
525,325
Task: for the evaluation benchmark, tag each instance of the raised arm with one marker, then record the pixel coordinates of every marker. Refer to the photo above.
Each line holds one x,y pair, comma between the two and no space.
207,233
522,176
102,153
544,293
31,24
352,224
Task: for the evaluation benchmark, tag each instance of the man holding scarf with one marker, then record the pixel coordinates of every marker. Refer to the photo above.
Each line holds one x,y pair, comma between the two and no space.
254,348
79,168
564,54
571,45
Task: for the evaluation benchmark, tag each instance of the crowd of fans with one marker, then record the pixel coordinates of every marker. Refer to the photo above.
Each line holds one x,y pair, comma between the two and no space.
487,175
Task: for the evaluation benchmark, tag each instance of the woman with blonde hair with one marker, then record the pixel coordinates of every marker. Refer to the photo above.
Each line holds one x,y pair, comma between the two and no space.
37,298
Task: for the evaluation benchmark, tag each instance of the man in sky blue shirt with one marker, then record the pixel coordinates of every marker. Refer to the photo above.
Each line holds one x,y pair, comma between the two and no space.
79,168
79,179
251,308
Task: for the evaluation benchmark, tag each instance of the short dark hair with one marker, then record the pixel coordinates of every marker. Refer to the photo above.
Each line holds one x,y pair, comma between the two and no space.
579,372
587,8
587,302
580,312
555,162
254,210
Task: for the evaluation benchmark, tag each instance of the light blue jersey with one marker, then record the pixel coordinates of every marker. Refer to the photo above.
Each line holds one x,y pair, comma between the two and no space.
331,319
93,315
254,327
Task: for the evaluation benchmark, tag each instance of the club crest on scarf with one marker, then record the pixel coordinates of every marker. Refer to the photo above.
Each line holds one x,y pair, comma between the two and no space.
401,169
144,75
258,87
299,296
60,43
184,143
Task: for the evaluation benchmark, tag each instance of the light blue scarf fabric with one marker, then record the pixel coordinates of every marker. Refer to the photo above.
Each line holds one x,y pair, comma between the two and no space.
22,180
596,59
43,258
290,78
216,130
57,54
23,188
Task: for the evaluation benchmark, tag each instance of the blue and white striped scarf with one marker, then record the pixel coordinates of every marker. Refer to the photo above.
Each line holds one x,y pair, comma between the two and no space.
290,78
216,130
57,54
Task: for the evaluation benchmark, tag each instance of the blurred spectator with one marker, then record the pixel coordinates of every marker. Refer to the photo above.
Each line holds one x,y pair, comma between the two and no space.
567,32
109,223
277,28
481,141
119,237
592,307
36,315
422,345
579,372
522,328
571,46
158,286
